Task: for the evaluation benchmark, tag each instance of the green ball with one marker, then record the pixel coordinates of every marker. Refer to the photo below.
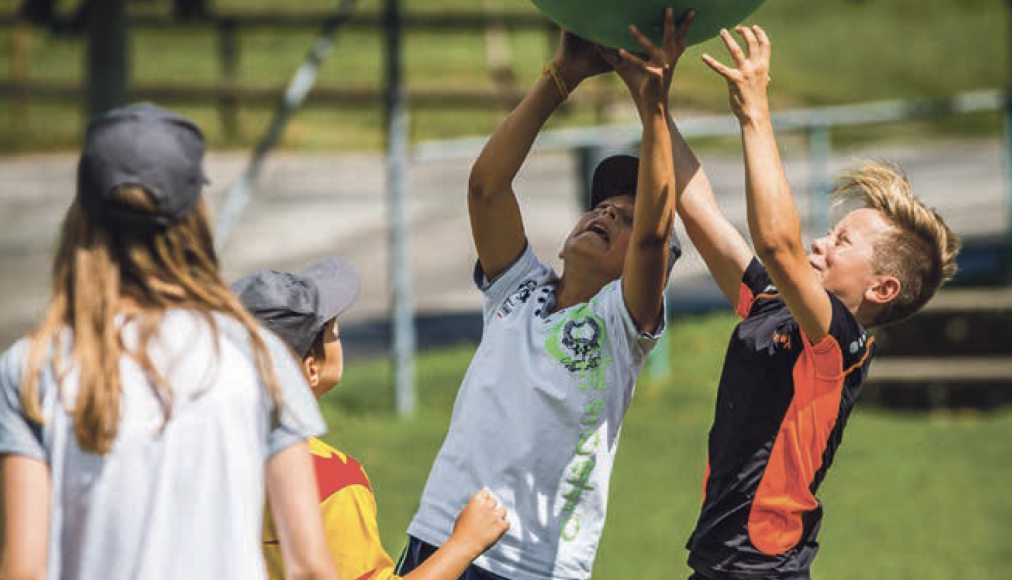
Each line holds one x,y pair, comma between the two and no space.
606,22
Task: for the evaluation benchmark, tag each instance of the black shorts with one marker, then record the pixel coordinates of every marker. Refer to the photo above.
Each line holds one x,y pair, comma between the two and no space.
418,551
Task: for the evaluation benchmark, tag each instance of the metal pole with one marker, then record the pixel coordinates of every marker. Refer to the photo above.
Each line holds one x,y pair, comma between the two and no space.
1008,145
107,55
298,88
819,151
397,188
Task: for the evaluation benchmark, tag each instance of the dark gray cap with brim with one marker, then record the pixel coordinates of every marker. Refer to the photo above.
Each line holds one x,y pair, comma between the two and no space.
145,146
618,175
296,307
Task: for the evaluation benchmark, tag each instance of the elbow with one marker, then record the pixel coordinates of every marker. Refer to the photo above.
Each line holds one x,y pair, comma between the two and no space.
480,184
772,251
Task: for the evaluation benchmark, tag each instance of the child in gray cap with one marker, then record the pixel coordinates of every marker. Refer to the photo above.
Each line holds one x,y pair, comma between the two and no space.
303,310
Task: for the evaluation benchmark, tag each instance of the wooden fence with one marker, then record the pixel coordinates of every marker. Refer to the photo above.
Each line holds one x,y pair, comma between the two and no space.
229,95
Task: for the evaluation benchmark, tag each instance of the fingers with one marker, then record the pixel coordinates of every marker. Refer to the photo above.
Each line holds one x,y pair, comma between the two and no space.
682,34
748,35
719,68
629,58
732,47
669,42
655,54
765,46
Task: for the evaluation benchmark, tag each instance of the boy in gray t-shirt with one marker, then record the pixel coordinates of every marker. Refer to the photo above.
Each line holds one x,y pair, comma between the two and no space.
538,413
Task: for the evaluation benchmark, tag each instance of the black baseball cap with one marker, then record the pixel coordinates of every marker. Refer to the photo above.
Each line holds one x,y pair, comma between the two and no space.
615,175
296,307
618,175
146,146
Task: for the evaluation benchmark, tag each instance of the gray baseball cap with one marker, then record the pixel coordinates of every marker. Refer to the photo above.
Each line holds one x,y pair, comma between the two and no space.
296,307
146,146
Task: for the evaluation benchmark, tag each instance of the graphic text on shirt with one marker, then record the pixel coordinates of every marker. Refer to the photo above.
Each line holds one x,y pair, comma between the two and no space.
576,342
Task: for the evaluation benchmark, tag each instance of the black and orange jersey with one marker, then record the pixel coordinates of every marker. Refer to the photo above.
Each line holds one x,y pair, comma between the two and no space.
781,408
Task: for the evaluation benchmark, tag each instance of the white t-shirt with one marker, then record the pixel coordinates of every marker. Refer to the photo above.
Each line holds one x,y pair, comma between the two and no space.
176,499
537,420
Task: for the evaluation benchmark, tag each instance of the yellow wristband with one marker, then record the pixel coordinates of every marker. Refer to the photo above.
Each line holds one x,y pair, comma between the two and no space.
553,72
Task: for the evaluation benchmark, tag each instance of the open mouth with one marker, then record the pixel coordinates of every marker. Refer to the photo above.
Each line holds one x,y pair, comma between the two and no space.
600,230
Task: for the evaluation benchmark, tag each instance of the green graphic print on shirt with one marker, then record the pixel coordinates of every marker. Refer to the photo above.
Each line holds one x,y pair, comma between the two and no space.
577,342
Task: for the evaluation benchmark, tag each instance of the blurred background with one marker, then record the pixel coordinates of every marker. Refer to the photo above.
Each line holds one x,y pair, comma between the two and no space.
366,154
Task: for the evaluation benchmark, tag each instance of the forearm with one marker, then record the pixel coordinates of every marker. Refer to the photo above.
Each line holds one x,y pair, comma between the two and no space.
655,195
719,243
447,563
501,158
772,216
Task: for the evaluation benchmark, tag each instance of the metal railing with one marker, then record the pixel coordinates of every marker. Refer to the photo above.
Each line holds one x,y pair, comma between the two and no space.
817,123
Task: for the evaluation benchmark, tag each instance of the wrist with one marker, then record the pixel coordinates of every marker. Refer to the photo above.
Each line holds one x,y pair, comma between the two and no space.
463,547
570,77
652,109
754,116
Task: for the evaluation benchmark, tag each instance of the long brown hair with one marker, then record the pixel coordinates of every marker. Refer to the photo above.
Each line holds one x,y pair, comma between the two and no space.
103,270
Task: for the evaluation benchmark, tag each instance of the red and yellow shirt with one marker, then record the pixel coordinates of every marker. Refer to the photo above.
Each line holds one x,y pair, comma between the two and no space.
348,507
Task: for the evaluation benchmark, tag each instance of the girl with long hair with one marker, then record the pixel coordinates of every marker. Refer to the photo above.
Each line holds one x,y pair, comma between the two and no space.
142,420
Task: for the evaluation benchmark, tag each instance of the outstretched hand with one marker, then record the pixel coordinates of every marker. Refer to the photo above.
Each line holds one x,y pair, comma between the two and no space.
747,82
648,76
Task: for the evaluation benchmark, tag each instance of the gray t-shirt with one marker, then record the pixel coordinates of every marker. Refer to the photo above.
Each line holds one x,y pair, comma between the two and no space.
537,420
176,499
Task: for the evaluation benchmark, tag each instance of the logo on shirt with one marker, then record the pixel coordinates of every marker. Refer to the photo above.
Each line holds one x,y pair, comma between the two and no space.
576,341
781,340
519,296
859,343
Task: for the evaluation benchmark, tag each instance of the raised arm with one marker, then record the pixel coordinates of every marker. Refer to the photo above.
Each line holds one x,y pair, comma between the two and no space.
649,81
722,247
772,217
496,223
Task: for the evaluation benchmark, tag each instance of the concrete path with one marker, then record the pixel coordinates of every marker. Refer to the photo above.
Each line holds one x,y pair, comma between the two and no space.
308,206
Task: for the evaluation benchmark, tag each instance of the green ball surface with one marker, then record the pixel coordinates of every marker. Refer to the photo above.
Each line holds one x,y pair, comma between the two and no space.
606,21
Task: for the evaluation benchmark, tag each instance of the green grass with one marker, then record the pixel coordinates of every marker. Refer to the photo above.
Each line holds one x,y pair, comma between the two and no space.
831,51
911,496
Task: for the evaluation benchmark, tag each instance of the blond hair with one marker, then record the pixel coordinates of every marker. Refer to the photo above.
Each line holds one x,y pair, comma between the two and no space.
100,269
920,252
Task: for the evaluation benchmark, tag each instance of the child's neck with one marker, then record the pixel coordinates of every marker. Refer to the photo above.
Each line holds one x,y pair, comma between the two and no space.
575,289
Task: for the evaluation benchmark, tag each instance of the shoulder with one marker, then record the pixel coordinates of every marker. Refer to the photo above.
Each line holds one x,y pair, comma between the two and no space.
12,363
335,470
856,345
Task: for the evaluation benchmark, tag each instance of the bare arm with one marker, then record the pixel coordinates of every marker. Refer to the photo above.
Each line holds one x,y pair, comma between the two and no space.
480,525
25,518
649,82
772,217
722,247
294,503
496,223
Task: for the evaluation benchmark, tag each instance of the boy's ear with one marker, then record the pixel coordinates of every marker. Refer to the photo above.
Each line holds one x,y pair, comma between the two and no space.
884,290
311,370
